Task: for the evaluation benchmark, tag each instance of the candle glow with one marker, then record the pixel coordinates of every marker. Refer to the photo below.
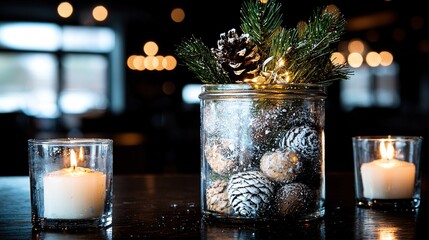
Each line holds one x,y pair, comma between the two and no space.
387,152
388,178
73,161
74,192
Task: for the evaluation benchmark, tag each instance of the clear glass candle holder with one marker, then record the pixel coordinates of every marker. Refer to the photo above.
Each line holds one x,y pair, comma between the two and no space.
387,171
71,182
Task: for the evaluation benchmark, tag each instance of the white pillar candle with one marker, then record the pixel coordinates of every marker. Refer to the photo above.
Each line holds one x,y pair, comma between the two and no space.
74,193
388,178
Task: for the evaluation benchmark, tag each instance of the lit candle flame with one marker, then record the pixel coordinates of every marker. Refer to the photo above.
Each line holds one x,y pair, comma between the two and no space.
73,161
387,152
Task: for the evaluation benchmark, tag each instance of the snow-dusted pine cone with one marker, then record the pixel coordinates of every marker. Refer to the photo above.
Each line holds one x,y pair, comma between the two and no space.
303,140
295,199
282,165
250,193
237,55
217,197
224,156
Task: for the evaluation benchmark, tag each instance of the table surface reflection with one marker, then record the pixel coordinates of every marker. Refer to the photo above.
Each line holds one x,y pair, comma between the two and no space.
168,206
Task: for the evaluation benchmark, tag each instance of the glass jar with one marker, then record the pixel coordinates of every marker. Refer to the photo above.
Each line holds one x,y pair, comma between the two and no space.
262,152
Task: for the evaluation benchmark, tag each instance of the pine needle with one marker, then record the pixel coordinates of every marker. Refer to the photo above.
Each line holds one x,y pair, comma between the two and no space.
261,21
201,61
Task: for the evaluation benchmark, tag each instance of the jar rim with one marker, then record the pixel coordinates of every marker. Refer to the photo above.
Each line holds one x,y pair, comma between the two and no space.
70,141
245,89
248,86
392,138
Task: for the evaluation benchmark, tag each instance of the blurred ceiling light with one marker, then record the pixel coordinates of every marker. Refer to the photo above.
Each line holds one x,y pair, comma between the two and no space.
338,58
155,62
355,60
139,63
356,45
159,63
386,58
150,48
136,62
177,15
130,62
100,13
373,59
148,62
65,9
151,61
159,66
371,21
169,63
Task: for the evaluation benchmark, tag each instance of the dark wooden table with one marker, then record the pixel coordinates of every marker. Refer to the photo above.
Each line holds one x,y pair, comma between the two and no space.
168,206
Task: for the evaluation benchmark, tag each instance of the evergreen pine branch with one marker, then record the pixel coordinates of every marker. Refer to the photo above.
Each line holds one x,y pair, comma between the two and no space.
261,21
309,60
201,61
281,44
297,55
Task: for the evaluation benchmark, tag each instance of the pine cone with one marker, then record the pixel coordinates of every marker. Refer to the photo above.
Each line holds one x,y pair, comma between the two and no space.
217,197
303,140
250,193
237,55
306,142
295,199
282,165
225,156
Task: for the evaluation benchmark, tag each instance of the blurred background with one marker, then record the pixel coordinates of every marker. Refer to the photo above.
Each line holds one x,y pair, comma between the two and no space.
108,69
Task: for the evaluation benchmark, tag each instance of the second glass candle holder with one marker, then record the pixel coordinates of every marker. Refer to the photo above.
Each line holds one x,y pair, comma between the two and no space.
71,183
387,171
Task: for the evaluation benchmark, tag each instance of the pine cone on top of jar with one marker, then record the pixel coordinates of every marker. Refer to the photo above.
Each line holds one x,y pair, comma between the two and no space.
237,55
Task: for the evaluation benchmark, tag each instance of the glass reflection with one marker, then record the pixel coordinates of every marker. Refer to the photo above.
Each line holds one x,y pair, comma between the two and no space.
219,231
100,234
387,233
385,225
